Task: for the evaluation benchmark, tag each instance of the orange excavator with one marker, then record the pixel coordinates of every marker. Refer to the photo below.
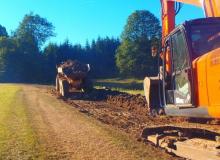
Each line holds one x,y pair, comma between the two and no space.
188,83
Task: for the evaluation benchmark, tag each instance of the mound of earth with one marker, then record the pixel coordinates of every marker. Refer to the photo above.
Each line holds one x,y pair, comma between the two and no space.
122,110
70,67
133,103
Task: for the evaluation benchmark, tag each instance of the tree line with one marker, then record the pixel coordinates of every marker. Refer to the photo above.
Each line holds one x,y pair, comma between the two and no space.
24,57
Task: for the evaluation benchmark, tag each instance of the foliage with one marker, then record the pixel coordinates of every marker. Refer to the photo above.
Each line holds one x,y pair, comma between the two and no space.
3,32
141,24
17,64
133,57
20,58
36,28
103,61
128,85
9,59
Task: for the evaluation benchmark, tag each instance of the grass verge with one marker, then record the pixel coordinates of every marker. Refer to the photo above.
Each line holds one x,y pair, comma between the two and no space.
17,139
131,86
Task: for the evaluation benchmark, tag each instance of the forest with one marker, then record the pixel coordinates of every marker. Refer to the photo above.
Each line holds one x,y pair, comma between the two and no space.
27,56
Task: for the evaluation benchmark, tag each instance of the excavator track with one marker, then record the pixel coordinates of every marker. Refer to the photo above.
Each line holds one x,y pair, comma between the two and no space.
191,143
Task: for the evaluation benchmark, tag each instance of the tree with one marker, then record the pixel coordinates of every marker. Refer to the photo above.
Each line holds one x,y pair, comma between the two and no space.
3,32
36,27
87,45
30,35
11,66
133,57
50,54
103,56
141,24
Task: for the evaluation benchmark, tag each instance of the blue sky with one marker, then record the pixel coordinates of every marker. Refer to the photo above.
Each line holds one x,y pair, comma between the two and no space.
81,20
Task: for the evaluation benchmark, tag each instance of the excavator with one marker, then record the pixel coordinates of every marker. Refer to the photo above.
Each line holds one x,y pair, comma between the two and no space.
188,83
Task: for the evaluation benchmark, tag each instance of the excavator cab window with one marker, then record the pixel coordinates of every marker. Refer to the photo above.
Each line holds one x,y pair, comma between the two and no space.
180,92
205,38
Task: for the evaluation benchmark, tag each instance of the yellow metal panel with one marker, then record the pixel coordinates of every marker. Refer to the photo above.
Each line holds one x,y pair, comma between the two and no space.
215,6
211,7
192,2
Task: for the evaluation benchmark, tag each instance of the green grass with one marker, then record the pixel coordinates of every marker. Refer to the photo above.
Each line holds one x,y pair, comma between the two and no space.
17,139
132,86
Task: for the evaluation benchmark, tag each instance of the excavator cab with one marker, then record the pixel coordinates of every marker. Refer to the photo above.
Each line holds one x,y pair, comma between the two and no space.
177,80
189,42
179,85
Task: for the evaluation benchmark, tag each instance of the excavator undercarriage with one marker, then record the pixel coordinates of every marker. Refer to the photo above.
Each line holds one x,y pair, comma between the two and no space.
190,143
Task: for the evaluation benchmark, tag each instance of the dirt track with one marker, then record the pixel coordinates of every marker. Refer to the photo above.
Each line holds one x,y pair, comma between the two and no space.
64,133
128,112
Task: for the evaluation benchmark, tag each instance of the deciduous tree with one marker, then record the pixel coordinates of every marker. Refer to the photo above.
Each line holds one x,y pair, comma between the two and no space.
134,54
3,32
36,27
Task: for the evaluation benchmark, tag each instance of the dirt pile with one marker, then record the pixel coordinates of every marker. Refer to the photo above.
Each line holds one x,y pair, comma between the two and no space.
122,110
70,67
133,103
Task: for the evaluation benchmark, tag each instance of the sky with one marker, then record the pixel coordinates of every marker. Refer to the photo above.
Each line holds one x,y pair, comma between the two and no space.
81,20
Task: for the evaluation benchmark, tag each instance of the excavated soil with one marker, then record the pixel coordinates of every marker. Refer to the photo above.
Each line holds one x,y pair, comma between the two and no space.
128,112
124,111
74,66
